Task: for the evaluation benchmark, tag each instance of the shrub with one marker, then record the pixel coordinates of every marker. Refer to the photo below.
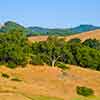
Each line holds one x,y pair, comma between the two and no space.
11,64
16,79
74,40
84,91
5,75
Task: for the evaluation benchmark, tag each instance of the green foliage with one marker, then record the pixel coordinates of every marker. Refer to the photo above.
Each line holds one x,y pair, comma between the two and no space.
11,64
84,91
5,75
88,57
32,31
37,60
13,48
16,50
62,65
11,25
50,51
47,31
59,31
92,43
75,40
84,28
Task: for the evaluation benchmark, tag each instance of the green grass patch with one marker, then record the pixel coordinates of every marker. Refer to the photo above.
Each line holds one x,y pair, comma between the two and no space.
88,98
63,66
44,98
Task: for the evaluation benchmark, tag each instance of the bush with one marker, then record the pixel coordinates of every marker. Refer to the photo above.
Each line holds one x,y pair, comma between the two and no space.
74,40
16,79
5,75
11,65
84,91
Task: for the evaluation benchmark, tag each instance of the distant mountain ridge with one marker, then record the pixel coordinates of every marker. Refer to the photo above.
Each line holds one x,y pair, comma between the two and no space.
10,25
84,28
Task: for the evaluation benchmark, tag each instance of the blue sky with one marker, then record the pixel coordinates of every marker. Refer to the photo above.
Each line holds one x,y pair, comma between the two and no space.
51,13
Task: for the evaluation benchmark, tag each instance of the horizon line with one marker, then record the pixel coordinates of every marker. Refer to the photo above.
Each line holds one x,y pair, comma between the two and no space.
26,26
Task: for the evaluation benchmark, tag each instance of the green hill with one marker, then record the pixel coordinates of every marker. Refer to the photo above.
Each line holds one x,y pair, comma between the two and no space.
31,31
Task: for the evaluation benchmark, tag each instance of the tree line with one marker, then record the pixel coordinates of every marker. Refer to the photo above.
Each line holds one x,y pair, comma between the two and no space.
15,49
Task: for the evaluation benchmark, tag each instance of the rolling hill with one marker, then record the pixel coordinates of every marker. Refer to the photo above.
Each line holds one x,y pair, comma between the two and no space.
32,31
84,28
95,34
42,82
66,31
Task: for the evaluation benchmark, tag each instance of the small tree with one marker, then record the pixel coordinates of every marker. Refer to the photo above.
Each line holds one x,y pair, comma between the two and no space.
54,50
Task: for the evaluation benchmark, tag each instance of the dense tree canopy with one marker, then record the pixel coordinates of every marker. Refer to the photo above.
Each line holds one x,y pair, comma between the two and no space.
16,50
13,47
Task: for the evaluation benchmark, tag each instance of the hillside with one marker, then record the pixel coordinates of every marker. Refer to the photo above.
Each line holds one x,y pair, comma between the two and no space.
95,34
35,30
84,28
46,81
11,25
36,71
63,31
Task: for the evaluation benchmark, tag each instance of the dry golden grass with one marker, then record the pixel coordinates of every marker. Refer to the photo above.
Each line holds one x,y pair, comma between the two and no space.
83,36
46,81
37,38
86,35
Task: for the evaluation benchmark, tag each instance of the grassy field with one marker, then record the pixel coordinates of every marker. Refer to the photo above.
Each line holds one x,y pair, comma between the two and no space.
26,83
